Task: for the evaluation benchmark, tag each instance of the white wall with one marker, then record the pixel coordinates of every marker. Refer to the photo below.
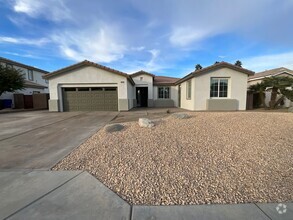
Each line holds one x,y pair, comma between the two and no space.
86,77
173,93
237,87
188,103
130,94
147,81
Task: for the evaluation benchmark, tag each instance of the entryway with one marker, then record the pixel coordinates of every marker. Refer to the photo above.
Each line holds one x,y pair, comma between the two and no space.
141,96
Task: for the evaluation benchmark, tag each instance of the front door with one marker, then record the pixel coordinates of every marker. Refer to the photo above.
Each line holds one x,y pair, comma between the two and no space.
142,96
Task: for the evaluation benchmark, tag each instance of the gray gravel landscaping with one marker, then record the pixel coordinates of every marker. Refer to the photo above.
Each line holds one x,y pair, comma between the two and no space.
211,157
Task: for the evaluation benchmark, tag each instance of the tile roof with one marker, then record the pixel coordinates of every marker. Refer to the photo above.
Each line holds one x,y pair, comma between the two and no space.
214,67
142,72
271,72
29,84
8,61
87,63
164,80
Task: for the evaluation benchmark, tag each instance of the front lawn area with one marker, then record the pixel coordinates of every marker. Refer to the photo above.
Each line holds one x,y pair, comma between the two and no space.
212,157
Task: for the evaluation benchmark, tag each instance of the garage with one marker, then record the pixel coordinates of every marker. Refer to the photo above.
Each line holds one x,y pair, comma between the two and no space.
90,99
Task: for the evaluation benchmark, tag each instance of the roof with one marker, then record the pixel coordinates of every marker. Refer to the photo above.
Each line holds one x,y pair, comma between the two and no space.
29,84
164,80
271,72
141,72
87,63
215,67
12,62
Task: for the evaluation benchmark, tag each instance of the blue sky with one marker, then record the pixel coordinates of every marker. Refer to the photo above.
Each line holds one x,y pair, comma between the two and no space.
165,37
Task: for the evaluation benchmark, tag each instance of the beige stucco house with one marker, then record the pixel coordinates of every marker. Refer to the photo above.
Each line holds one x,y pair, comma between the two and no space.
89,86
260,76
222,86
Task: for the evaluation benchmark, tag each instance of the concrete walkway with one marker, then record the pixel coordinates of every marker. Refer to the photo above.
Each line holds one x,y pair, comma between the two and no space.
78,195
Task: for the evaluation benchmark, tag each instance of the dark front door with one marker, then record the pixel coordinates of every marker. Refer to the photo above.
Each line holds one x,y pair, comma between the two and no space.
142,96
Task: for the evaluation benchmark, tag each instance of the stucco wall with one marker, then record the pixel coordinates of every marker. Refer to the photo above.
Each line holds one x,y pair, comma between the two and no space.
130,94
146,81
188,103
200,92
237,87
173,101
89,77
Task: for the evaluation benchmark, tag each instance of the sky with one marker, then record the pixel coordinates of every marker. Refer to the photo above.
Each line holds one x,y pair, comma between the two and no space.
164,37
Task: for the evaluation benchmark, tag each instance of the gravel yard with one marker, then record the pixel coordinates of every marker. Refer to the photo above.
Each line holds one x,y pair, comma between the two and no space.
212,157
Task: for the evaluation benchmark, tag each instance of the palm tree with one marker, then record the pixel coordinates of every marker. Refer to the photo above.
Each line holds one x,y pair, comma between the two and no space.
260,89
279,86
238,63
198,67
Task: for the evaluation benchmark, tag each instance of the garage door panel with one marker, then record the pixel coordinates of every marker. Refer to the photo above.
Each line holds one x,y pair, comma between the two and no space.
96,99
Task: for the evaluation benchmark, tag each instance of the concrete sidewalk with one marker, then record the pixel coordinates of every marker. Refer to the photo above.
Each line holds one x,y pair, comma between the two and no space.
78,195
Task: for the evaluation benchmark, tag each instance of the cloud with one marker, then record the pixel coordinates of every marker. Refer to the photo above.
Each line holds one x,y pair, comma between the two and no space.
270,61
185,35
97,44
54,10
23,41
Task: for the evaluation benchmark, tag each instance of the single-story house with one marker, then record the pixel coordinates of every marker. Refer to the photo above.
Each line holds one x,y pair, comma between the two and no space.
222,86
33,80
89,86
259,77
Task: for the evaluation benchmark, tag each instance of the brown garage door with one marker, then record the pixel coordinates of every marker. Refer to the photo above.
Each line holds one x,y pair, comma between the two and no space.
90,99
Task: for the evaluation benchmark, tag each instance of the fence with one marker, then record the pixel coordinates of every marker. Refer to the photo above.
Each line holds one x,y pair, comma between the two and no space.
35,101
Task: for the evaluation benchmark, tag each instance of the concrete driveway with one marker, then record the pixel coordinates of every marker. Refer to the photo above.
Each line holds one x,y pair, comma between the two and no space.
39,139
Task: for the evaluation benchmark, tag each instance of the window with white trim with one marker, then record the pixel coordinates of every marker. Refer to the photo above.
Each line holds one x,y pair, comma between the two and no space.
188,89
164,92
219,88
30,75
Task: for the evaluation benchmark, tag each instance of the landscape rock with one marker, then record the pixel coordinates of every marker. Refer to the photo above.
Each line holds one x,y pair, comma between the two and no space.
114,127
187,162
290,109
180,115
145,123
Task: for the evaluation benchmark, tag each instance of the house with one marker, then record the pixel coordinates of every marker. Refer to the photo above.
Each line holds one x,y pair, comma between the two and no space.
258,78
222,86
89,86
33,79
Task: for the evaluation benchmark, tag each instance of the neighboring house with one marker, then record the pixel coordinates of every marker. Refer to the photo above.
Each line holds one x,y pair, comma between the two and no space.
33,83
258,78
89,86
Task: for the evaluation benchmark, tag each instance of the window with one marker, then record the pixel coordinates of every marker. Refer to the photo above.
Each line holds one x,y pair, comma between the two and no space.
219,88
30,75
69,89
188,90
141,78
164,92
83,89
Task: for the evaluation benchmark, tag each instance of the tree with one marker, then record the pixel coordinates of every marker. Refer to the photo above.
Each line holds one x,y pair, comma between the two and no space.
10,79
198,67
260,89
238,63
280,85
216,62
